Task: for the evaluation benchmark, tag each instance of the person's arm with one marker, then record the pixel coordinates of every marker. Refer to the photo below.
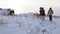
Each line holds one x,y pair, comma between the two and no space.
52,12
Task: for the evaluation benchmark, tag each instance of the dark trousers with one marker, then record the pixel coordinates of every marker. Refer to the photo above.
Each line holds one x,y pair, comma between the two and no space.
50,17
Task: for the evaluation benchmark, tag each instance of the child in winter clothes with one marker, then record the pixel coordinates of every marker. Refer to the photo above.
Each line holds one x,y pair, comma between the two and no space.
42,12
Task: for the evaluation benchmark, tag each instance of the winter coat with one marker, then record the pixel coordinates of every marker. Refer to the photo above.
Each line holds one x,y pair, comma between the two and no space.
50,12
42,12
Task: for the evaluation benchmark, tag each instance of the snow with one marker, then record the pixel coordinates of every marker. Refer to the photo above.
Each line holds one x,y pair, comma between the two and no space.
28,24
4,12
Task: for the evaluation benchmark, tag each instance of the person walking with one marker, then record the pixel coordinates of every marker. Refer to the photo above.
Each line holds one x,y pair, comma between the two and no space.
50,13
42,12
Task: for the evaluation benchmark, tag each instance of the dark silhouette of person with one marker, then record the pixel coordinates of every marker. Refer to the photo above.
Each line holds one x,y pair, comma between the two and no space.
42,12
50,13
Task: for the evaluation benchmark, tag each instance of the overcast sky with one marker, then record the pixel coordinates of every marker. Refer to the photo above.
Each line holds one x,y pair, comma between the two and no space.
26,6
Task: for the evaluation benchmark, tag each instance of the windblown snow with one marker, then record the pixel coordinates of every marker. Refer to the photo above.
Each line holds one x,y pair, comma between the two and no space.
28,24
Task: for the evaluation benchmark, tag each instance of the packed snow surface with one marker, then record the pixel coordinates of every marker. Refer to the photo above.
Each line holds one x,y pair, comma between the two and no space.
28,24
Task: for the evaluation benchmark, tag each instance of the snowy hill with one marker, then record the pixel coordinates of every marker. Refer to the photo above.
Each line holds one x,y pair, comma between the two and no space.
28,24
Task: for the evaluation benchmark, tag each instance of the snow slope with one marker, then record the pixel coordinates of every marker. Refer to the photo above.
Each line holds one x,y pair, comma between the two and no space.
28,24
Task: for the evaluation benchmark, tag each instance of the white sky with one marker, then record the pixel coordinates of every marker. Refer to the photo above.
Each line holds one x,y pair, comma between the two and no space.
25,6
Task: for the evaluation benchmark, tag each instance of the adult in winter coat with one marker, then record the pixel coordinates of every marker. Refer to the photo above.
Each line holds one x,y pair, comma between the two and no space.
50,13
42,12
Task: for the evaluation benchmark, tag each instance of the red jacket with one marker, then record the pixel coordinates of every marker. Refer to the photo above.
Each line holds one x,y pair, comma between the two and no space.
42,12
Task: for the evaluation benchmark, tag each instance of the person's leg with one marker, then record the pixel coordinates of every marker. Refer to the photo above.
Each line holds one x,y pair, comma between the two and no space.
50,17
43,17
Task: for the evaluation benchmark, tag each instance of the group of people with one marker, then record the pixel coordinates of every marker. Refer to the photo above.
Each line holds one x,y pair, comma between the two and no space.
42,13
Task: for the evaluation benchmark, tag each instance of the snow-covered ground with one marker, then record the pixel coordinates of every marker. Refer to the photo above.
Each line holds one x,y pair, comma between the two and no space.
28,24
